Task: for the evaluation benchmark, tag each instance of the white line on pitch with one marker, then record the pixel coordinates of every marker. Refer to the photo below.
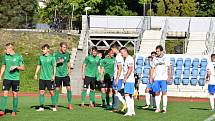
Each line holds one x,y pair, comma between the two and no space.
210,118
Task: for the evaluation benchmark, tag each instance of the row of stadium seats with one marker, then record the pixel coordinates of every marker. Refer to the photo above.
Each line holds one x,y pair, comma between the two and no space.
184,71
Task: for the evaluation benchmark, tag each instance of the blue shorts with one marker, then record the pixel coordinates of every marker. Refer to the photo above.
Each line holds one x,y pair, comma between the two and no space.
118,86
129,88
211,89
160,86
149,86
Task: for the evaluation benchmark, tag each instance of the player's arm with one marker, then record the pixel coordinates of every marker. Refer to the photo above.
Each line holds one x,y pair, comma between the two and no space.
2,71
54,68
69,68
119,70
130,69
151,74
21,66
84,67
101,73
169,72
36,72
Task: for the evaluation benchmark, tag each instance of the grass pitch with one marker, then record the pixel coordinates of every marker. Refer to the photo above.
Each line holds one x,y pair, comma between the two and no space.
177,111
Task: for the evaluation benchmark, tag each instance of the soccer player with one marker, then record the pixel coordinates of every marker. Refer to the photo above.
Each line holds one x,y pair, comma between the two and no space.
118,78
148,89
89,70
160,74
211,79
107,71
63,70
129,81
12,64
47,67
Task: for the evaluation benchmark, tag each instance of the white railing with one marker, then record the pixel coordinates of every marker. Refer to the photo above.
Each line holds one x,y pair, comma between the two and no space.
164,33
209,39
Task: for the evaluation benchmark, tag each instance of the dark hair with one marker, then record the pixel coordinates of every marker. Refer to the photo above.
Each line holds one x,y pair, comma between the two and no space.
212,55
160,47
9,44
94,48
63,43
124,48
153,52
45,46
109,50
114,46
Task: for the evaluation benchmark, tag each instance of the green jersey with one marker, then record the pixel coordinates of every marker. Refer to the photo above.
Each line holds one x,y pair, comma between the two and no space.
98,74
62,68
47,64
108,64
9,61
91,67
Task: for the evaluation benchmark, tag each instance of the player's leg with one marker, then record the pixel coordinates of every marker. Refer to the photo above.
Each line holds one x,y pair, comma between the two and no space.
164,94
58,84
51,88
42,85
6,87
129,93
15,89
156,89
147,96
211,90
92,91
110,94
66,82
116,99
84,91
103,93
121,99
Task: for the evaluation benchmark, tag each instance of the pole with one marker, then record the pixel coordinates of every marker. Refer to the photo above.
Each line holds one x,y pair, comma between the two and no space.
26,20
72,16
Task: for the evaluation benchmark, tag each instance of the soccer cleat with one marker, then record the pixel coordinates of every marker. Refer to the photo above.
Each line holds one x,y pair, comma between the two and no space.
146,107
92,105
133,113
163,111
124,108
40,109
1,113
157,111
103,106
212,110
13,113
54,109
135,94
82,105
70,107
128,114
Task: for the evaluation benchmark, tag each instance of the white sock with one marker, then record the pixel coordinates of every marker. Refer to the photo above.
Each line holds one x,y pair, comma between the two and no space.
165,102
157,102
211,101
154,104
128,103
132,105
147,95
121,98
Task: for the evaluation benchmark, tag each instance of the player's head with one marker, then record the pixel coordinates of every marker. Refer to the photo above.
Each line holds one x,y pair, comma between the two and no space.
110,52
150,58
9,48
124,52
94,51
159,50
63,47
153,54
45,49
114,48
213,57
99,54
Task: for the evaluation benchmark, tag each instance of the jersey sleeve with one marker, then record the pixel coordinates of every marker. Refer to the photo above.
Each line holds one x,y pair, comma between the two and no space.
69,54
53,61
153,63
130,62
3,60
85,60
167,61
39,61
209,67
21,61
119,60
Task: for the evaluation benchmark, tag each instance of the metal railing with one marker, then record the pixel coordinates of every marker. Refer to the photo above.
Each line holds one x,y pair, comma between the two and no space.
164,33
209,43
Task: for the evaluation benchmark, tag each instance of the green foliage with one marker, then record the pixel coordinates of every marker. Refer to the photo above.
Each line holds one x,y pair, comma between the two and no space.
171,44
161,8
188,8
205,8
172,7
14,13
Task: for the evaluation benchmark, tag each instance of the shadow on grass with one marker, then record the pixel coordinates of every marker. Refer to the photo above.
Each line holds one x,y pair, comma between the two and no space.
199,109
9,111
148,109
47,107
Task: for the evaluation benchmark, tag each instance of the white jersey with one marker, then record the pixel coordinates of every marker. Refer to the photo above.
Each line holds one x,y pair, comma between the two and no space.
129,61
118,61
211,69
161,66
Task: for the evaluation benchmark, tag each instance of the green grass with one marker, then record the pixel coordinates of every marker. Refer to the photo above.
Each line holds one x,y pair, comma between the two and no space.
177,111
28,44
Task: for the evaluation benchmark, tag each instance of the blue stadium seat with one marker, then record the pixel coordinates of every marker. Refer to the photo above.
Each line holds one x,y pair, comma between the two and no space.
185,81
139,70
178,72
147,63
172,60
144,80
194,76
202,82
186,75
195,72
179,63
203,73
203,63
140,61
177,81
195,63
193,81
187,63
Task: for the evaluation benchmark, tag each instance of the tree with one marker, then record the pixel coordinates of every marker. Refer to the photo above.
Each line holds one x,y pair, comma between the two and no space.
161,8
18,13
187,8
172,7
144,3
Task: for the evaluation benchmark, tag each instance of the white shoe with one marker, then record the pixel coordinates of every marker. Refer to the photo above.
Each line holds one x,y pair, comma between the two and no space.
128,114
133,113
54,109
40,109
157,111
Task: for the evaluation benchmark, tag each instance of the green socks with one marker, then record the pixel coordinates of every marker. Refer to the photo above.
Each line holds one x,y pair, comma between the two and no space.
92,97
69,96
57,92
53,100
42,99
15,104
3,103
110,101
83,96
103,98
